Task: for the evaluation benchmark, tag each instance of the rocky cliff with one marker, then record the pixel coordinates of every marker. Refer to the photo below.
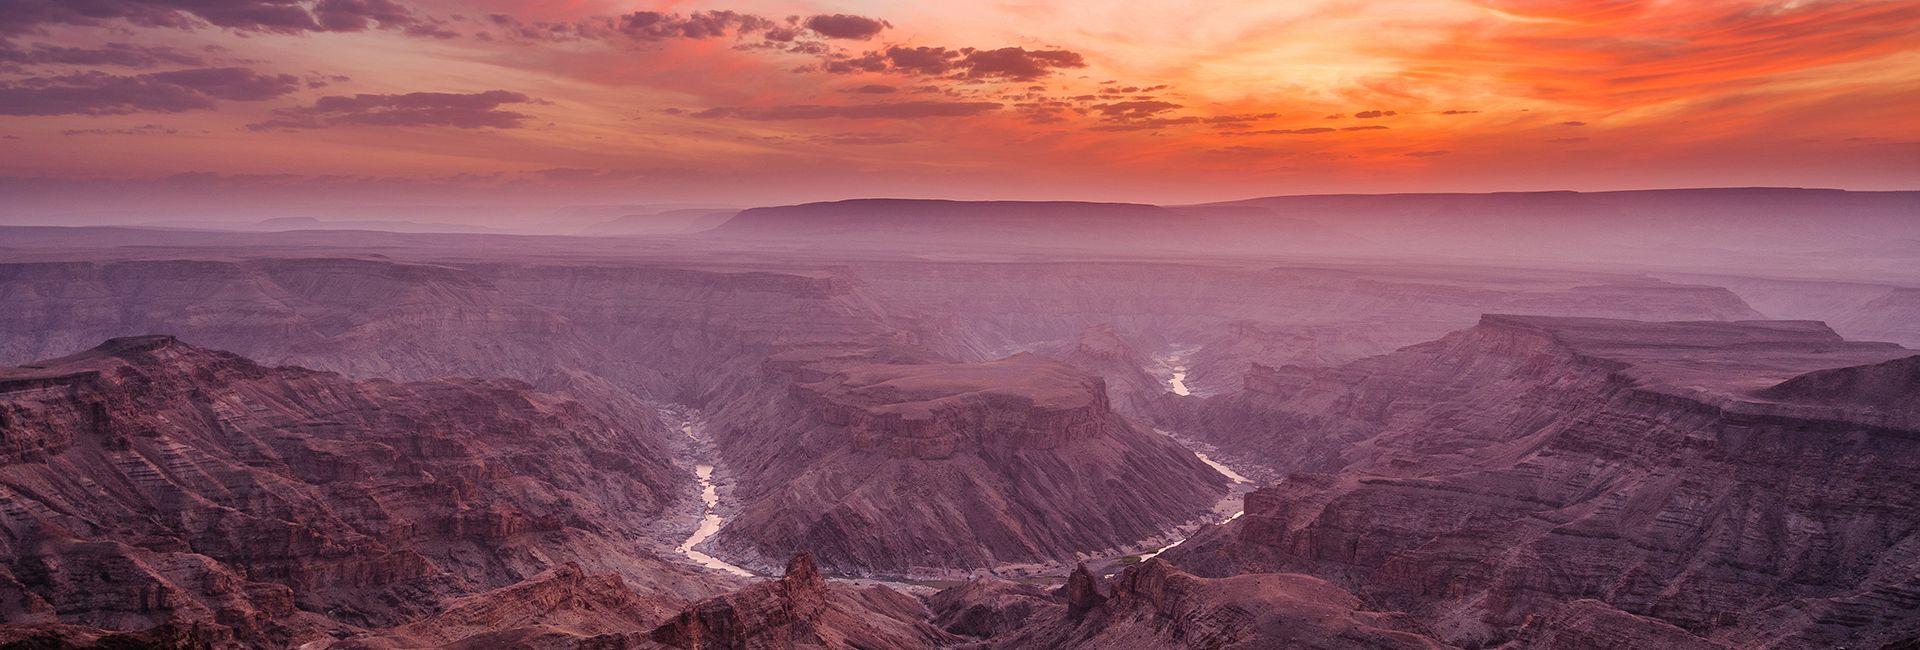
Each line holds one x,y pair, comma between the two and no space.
1486,479
1155,605
149,482
928,468
802,610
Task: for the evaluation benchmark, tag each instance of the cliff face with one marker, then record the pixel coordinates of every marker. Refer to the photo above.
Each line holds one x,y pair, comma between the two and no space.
666,332
926,468
148,481
801,610
1527,463
1154,605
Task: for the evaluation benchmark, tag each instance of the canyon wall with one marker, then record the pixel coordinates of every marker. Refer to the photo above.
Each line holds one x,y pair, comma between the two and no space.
1698,476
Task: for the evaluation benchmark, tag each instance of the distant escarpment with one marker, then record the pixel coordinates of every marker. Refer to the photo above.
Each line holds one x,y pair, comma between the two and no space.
890,224
1566,481
931,468
148,482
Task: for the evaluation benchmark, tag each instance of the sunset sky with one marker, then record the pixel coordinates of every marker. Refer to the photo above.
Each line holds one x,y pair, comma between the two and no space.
117,103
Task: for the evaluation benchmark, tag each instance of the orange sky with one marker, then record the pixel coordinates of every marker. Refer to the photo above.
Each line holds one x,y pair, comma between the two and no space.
756,102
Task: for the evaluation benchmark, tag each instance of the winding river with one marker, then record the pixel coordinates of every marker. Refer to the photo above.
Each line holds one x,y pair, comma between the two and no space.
1236,494
710,522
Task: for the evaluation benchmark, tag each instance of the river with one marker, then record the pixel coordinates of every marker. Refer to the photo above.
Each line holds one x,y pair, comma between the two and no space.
710,521
1230,507
1234,502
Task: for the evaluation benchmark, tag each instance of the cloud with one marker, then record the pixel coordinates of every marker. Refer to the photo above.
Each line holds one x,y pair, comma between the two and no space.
1574,123
1016,63
1003,64
872,89
888,111
1141,109
276,16
644,26
144,129
846,26
1367,115
654,25
117,54
1306,131
464,111
98,93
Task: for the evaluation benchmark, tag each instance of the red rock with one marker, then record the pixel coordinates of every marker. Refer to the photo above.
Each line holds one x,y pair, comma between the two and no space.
151,482
935,469
1153,605
802,610
1502,472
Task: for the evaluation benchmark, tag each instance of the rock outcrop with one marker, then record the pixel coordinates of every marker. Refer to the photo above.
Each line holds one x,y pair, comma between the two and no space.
149,482
801,610
926,468
987,607
1489,478
1153,605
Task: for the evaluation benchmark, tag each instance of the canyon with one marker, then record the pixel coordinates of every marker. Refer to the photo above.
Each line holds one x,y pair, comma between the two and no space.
911,424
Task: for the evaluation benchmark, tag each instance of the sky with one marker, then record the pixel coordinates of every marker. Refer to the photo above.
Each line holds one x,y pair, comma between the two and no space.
134,104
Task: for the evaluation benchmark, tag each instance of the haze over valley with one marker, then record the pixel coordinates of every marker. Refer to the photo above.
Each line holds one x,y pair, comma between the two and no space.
1475,324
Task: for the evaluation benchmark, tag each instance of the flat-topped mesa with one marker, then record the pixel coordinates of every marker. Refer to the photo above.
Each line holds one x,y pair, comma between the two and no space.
933,411
1714,359
882,218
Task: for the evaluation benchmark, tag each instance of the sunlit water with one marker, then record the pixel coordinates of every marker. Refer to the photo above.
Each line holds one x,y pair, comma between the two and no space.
710,523
1179,381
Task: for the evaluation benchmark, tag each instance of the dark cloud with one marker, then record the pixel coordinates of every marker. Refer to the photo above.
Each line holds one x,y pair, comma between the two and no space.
1018,64
858,139
98,93
654,25
1456,112
1574,123
120,54
872,89
1239,119
1004,64
644,26
1367,115
1133,109
144,129
921,60
846,26
898,110
1150,123
279,16
465,111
